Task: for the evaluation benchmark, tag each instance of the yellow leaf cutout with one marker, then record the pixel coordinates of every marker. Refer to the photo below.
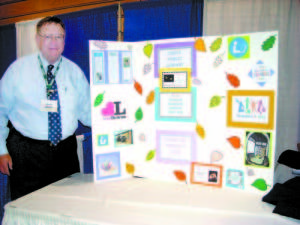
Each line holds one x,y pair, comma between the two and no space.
150,98
148,50
200,45
200,131
216,45
130,168
215,101
150,155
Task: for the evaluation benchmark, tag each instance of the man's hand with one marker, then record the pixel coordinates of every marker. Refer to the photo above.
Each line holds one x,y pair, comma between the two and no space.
5,164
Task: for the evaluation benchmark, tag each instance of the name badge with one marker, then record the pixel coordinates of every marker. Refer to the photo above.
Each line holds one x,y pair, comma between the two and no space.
49,105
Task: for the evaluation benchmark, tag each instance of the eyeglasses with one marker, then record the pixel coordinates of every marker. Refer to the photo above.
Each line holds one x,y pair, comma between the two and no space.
59,38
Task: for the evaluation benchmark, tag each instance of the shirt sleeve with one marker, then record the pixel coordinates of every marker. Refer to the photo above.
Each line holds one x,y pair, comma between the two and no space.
84,100
6,100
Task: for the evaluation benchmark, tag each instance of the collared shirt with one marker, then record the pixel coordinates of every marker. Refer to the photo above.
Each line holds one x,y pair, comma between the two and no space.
22,89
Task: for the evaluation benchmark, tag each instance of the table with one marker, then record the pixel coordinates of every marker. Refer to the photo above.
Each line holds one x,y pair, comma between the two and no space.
137,201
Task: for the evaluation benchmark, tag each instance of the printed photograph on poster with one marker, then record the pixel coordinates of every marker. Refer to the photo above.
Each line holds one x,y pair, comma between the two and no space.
123,138
98,67
175,147
179,107
235,178
126,62
108,165
250,109
126,69
175,55
175,80
206,174
258,149
112,67
102,140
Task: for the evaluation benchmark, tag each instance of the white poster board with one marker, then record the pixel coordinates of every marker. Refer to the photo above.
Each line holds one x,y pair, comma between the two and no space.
195,110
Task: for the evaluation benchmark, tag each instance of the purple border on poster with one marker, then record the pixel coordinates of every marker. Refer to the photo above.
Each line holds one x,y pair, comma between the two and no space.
159,133
158,47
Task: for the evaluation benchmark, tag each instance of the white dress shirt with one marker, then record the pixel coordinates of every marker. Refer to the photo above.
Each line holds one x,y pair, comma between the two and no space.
22,89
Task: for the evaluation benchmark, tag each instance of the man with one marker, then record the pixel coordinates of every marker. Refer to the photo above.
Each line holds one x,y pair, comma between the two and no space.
43,96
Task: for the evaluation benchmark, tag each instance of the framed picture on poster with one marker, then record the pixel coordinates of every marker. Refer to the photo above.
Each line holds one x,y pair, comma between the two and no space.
250,109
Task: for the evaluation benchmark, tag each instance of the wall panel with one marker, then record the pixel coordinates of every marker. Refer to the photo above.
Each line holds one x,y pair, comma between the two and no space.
12,11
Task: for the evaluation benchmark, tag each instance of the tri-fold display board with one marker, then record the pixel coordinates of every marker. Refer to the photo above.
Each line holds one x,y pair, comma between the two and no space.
196,110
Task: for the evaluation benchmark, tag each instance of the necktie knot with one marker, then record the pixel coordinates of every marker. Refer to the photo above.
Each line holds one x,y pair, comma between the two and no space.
50,67
49,73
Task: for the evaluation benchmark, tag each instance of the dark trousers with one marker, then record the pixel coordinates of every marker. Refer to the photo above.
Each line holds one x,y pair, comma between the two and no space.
37,164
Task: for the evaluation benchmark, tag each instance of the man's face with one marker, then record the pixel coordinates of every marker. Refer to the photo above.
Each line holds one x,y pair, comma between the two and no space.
51,41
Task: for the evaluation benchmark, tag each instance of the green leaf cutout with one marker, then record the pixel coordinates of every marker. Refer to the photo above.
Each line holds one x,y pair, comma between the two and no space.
99,99
148,50
139,114
150,155
215,101
216,45
268,43
260,184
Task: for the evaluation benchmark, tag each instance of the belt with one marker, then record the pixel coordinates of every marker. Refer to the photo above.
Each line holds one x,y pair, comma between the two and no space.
46,142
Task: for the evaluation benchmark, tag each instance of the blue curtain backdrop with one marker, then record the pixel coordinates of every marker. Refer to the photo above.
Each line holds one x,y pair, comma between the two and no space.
7,56
8,47
95,24
162,19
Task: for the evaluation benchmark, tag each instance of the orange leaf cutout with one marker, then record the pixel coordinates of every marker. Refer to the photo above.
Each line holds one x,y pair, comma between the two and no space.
150,97
138,87
200,45
233,80
235,141
180,175
200,131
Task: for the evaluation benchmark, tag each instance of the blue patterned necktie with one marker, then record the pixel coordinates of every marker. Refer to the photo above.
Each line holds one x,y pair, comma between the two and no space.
54,118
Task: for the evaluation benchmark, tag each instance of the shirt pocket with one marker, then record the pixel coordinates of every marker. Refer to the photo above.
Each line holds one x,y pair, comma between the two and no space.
68,98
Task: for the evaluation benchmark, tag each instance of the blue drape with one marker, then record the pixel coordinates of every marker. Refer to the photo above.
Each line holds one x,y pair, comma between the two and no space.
95,24
7,56
87,153
8,46
162,19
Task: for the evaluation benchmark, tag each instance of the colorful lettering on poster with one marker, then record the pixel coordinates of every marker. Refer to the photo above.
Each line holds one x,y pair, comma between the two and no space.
251,106
113,110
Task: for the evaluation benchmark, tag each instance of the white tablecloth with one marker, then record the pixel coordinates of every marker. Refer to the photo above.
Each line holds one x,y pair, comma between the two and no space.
78,200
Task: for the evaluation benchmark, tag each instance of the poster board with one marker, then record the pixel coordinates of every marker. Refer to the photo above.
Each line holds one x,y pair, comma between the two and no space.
197,110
